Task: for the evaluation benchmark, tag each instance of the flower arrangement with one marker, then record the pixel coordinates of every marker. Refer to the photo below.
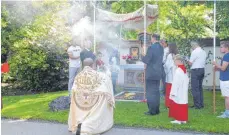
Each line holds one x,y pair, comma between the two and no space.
129,59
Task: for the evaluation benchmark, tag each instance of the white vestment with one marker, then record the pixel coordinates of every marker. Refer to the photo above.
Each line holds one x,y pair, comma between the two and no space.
92,103
169,68
166,53
179,90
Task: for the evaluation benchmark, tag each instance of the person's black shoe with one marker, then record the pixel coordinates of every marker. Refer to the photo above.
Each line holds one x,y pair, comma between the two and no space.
155,114
147,113
199,107
192,106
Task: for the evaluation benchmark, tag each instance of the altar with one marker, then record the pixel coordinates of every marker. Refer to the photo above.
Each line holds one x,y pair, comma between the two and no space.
131,75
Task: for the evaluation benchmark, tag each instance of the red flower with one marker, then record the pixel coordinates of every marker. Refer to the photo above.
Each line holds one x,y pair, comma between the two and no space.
124,57
127,57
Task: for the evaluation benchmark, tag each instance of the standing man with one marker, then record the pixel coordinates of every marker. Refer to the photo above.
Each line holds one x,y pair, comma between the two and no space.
87,53
74,64
166,53
224,76
197,63
153,74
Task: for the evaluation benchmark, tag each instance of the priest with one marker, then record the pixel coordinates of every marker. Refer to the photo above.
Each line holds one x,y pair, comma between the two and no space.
92,102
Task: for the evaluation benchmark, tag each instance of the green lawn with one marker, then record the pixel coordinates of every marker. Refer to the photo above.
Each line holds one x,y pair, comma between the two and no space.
126,113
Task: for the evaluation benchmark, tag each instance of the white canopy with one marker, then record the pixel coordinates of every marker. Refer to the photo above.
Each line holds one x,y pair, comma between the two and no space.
105,24
134,20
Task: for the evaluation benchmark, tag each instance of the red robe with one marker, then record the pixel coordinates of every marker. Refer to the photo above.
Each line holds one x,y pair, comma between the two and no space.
167,93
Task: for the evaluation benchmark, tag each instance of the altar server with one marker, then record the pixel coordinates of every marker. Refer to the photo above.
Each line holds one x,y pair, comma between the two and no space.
179,93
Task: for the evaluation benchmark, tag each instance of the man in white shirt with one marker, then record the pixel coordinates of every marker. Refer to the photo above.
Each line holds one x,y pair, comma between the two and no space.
197,62
74,64
166,52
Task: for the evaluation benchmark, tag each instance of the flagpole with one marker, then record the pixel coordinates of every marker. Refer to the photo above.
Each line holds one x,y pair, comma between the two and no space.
214,55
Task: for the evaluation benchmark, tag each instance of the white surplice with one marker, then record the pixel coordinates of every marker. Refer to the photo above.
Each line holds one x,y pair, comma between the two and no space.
179,90
169,68
166,53
92,103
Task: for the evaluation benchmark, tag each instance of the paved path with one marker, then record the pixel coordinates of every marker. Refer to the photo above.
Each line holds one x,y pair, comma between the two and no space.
23,127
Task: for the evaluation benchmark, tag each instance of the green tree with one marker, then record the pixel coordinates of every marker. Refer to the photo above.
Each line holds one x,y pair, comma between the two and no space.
222,12
36,49
123,7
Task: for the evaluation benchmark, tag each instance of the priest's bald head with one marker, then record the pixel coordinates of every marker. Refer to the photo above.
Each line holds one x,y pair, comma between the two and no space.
88,62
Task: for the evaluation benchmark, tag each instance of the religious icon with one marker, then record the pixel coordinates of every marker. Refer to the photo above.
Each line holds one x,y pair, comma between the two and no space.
134,52
140,78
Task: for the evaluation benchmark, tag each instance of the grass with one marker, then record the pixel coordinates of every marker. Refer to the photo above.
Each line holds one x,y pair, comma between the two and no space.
126,113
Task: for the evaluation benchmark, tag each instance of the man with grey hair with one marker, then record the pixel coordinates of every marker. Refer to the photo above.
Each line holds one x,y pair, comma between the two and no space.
197,63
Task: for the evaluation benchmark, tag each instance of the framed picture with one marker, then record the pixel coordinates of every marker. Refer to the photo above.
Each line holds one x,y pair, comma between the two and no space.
134,52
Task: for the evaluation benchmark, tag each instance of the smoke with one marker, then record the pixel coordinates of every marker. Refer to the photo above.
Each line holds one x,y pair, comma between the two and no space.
20,12
78,23
84,28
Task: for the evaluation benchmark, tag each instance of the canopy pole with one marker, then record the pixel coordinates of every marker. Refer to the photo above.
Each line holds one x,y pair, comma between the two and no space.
144,48
94,27
120,37
214,55
157,18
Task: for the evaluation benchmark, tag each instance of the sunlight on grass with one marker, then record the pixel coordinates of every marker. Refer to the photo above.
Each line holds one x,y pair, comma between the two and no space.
126,113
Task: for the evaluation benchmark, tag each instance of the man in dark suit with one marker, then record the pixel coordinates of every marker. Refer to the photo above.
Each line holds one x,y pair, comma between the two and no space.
153,74
87,53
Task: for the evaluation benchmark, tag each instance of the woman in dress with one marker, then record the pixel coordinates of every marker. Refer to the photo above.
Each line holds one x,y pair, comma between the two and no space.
169,68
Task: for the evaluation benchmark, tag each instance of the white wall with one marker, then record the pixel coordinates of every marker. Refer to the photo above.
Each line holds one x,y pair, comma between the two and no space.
208,80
